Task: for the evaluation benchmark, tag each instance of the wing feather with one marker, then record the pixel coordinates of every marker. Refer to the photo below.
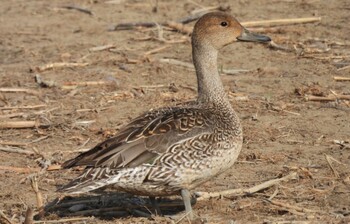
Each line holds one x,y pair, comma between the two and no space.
143,139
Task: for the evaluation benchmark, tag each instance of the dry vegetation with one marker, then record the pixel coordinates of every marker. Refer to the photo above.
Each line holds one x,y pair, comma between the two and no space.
72,74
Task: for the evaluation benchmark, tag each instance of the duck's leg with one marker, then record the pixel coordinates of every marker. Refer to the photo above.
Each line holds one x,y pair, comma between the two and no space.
186,197
155,205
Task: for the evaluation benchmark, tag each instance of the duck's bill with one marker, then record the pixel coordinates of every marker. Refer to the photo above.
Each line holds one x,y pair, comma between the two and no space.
253,37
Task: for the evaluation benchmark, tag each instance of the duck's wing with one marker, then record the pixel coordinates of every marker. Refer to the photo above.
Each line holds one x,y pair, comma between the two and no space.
144,139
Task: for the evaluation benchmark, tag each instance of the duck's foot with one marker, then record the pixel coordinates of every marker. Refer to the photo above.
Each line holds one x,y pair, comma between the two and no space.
186,197
155,205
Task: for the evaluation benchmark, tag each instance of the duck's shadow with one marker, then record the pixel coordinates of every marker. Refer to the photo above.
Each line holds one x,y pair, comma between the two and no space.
113,205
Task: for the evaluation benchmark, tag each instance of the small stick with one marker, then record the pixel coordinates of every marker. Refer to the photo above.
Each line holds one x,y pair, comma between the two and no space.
21,124
39,196
180,27
64,220
328,159
295,208
328,98
78,8
54,167
177,62
13,143
24,107
102,48
242,191
11,115
4,219
273,45
152,86
39,139
16,150
341,78
60,65
274,194
129,26
20,169
280,22
153,51
88,83
343,68
23,90
29,216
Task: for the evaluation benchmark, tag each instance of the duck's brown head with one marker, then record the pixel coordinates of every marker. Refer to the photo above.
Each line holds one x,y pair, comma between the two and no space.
220,29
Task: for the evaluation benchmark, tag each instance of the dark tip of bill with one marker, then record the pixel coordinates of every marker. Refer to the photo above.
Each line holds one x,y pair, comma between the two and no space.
253,37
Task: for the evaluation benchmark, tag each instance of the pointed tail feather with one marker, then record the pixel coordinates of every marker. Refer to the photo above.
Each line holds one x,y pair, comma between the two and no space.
90,180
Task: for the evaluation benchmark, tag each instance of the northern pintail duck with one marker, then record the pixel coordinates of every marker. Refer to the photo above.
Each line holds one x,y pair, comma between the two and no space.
172,150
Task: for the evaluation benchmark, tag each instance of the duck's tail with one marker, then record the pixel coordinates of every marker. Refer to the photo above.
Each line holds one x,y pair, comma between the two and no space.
91,179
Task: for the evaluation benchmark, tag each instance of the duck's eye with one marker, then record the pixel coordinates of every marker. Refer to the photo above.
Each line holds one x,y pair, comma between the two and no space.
223,24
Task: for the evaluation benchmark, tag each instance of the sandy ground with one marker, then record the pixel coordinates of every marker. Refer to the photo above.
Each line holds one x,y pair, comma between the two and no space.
284,132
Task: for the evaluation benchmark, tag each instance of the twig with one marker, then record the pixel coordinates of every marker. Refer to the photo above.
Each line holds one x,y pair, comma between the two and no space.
233,71
60,65
54,167
78,8
179,27
328,159
343,68
242,191
29,216
24,107
20,169
273,45
293,207
102,48
69,85
23,90
153,51
280,22
340,78
128,26
328,98
39,139
35,187
151,86
64,220
14,143
176,62
4,219
274,194
21,124
16,150
12,115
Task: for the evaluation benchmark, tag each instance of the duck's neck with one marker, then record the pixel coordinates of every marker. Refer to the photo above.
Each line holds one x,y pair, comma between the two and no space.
210,88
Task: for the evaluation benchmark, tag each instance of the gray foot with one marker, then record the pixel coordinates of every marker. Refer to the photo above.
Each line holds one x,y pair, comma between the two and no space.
186,197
